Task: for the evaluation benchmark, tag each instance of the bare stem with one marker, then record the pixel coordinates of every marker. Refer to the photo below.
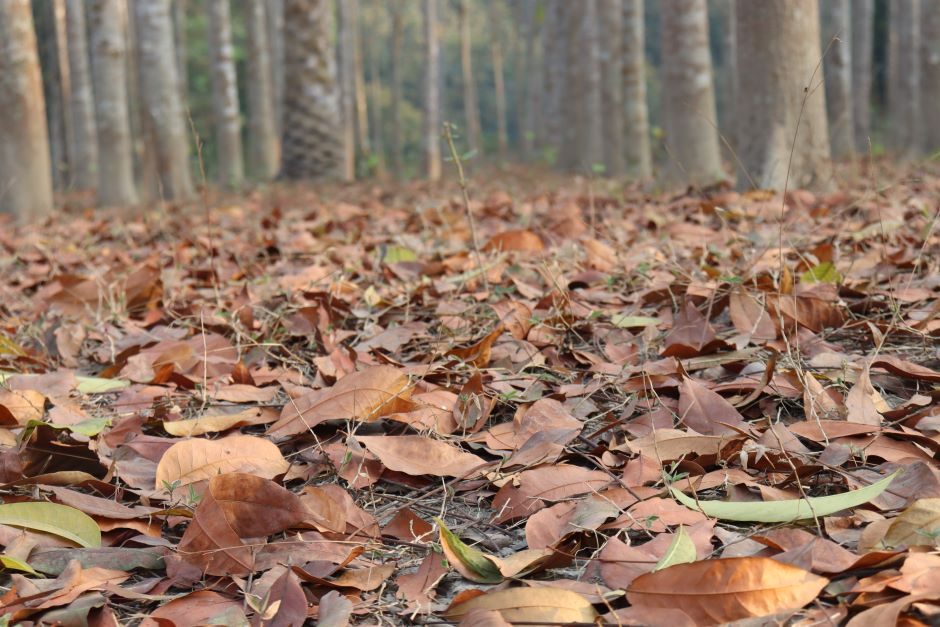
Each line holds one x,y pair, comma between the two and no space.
449,136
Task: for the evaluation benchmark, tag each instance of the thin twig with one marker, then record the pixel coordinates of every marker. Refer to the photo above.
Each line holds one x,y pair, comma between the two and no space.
449,136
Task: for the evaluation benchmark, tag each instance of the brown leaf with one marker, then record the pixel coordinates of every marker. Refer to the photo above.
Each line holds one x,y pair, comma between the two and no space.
691,334
738,588
541,605
418,455
706,412
862,401
531,489
365,395
516,240
197,460
197,608
749,316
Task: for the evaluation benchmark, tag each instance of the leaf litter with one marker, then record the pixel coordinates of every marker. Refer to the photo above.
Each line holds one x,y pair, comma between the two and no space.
319,406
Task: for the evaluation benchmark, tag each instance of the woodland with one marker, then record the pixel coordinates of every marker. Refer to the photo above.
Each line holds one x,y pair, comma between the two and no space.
469,312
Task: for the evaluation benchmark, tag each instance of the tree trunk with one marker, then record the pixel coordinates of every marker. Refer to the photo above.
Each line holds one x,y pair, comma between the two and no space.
159,90
863,16
263,146
108,72
347,88
574,132
636,116
471,106
145,159
371,51
783,135
179,39
726,77
688,95
836,23
397,34
555,45
526,113
54,67
25,175
930,66
225,109
432,93
359,81
312,146
591,119
275,25
496,54
610,25
81,101
904,101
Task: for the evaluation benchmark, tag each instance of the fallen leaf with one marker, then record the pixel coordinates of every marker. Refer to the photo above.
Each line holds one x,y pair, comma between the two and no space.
197,460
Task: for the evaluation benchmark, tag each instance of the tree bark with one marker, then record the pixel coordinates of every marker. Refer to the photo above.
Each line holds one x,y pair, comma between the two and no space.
591,118
395,11
610,24
471,106
263,146
275,24
636,116
81,100
527,110
499,85
432,93
108,72
225,108
179,40
25,175
863,16
836,23
359,81
930,65
347,88
312,146
54,67
555,45
159,90
904,99
688,95
783,135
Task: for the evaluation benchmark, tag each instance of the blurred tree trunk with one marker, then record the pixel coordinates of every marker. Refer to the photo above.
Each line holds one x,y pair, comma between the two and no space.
373,89
81,99
591,115
688,94
145,158
108,72
395,12
726,77
225,108
25,174
836,22
312,146
54,66
555,44
610,25
471,107
573,137
359,81
179,39
863,16
263,146
779,94
904,99
526,113
159,90
347,88
275,25
636,116
930,67
432,93
496,54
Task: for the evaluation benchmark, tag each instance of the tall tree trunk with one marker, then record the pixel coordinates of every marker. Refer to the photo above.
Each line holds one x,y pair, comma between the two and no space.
610,25
555,44
524,66
225,109
179,39
688,97
263,146
863,16
783,135
432,93
496,55
836,23
726,76
471,106
108,72
930,67
53,57
371,51
347,88
25,175
636,116
591,119
574,131
275,25
359,81
159,89
395,11
312,146
904,100
145,158
81,100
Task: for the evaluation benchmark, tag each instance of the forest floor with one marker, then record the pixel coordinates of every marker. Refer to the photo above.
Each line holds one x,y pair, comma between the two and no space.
331,405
